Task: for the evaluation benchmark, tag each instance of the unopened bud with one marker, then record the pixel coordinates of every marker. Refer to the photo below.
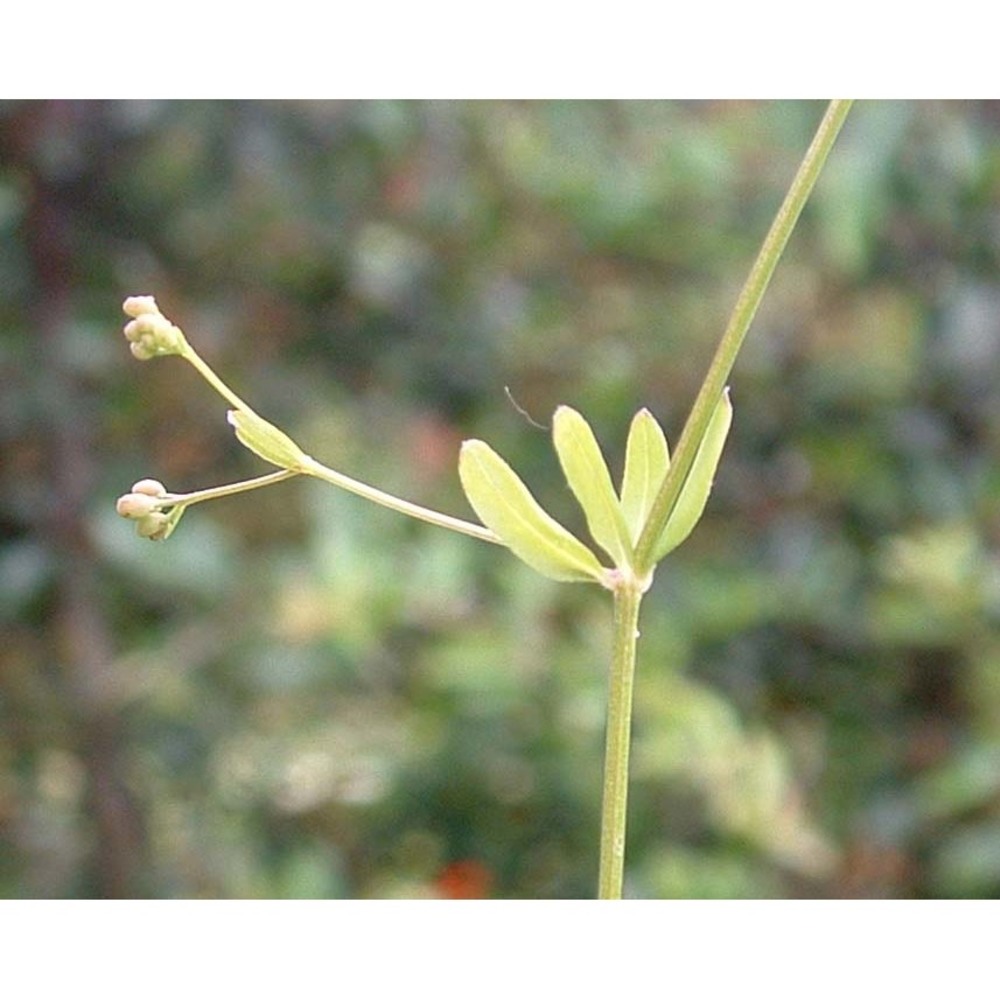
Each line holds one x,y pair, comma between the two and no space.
151,487
136,505
155,526
133,331
137,305
150,334
142,351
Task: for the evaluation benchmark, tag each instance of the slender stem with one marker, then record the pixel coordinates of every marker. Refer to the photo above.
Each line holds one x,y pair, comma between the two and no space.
628,593
627,597
328,475
216,492
739,322
192,357
320,471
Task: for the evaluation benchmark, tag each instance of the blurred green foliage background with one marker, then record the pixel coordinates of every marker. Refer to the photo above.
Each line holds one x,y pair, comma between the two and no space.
302,695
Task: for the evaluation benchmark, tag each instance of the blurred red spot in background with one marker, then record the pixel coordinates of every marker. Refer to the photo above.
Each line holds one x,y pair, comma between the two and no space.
464,880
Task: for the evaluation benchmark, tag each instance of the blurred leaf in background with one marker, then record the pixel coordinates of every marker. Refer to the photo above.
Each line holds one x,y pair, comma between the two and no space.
301,695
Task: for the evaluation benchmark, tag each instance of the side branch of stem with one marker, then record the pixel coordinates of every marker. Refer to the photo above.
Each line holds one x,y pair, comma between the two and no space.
328,475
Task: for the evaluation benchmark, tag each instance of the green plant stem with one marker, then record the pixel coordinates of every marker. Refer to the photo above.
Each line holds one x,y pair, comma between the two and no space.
216,492
739,322
614,806
320,471
191,356
628,593
311,467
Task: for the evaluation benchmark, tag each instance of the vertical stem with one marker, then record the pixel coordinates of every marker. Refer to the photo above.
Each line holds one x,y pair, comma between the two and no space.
628,596
739,322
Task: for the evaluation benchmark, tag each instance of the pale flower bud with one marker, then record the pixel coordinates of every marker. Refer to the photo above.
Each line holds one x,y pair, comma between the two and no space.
155,526
137,305
136,505
150,334
151,487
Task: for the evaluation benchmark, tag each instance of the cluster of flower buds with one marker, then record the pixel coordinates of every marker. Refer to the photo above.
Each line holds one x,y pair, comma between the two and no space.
149,333
144,505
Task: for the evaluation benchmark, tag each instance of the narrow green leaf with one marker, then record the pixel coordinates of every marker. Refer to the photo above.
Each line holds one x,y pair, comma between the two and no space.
265,440
589,479
691,503
647,459
505,505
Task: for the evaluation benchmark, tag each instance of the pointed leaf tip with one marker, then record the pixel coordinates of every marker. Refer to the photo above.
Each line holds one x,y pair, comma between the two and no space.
694,495
647,459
